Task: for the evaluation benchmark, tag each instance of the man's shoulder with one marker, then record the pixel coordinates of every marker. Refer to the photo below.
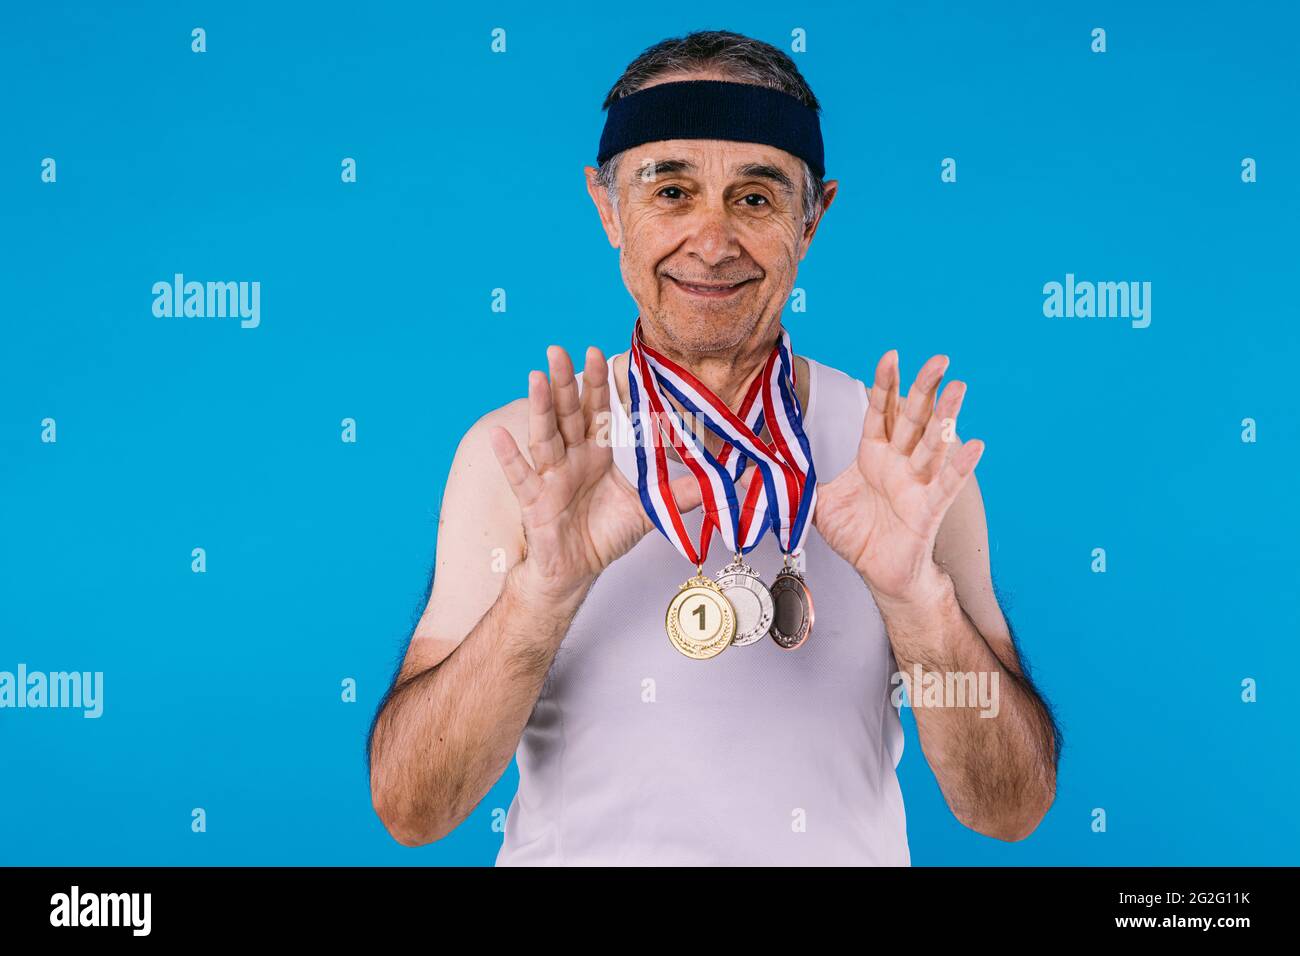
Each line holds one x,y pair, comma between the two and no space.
512,416
474,452
829,371
834,384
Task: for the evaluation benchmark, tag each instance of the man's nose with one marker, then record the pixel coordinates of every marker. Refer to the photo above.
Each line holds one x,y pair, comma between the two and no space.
713,237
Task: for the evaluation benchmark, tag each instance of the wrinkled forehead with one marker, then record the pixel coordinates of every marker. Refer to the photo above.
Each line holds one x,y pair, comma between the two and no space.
714,161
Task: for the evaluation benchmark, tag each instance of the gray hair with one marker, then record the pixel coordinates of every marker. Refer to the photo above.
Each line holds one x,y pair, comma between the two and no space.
741,58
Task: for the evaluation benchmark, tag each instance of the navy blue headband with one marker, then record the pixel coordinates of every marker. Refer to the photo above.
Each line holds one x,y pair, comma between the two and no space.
714,109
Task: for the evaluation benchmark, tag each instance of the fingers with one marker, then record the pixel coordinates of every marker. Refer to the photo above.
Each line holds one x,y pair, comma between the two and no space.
883,391
558,415
564,391
595,391
686,492
918,408
953,477
545,443
524,482
931,451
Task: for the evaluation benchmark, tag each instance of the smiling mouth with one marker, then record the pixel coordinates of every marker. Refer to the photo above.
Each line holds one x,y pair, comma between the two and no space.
711,290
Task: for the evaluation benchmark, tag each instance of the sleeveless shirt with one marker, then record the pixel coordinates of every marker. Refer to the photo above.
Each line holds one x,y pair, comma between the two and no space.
637,755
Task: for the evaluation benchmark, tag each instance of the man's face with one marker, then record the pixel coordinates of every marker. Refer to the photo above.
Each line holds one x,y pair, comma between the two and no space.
710,234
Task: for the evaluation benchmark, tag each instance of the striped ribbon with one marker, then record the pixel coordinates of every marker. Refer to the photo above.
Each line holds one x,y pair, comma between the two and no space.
785,496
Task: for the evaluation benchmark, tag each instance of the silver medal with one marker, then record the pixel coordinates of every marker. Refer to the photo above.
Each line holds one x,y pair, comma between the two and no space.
751,600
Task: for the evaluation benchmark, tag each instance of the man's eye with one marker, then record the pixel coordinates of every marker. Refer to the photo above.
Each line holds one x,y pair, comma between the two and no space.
762,200
670,189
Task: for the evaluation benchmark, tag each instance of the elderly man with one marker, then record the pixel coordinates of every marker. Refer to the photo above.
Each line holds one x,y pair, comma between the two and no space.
853,522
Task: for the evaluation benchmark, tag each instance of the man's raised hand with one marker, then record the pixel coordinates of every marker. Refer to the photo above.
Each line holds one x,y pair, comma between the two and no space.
882,513
579,512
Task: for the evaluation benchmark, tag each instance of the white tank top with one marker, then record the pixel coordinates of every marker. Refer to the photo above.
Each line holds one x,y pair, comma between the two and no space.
637,755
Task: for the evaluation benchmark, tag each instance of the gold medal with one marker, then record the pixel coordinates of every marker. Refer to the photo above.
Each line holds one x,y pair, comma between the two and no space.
700,621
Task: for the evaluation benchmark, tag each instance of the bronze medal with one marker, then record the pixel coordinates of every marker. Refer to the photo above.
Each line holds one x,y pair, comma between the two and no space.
793,609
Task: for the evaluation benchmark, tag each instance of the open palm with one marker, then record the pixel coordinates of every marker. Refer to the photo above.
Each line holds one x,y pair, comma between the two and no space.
883,512
579,512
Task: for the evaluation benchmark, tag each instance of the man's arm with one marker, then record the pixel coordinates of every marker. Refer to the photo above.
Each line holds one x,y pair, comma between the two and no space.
907,515
476,662
997,774
480,654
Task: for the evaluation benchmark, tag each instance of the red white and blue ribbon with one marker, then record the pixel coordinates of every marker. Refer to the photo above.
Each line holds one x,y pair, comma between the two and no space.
655,424
754,514
784,498
786,462
785,422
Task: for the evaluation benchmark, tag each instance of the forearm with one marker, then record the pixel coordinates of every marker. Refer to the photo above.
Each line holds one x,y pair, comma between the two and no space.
993,758
445,735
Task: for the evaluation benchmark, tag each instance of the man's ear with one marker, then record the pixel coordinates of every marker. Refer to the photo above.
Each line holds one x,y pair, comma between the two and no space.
600,196
829,188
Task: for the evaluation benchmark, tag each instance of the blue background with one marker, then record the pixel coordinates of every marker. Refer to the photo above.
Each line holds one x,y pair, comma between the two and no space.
223,689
